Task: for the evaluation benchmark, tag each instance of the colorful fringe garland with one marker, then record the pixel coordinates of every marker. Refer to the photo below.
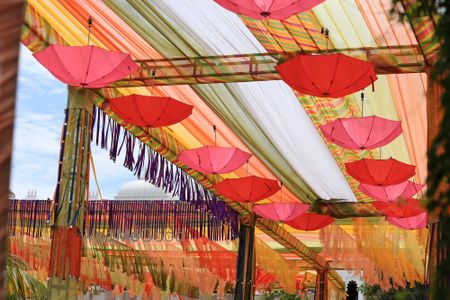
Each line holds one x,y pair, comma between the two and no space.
125,219
144,161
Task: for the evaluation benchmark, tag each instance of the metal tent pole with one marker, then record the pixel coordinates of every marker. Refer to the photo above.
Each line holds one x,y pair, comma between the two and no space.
246,263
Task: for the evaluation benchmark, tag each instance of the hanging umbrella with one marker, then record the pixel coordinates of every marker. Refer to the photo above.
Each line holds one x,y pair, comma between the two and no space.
281,211
361,133
150,111
330,75
403,208
247,189
268,9
310,221
405,189
214,160
416,222
85,66
380,171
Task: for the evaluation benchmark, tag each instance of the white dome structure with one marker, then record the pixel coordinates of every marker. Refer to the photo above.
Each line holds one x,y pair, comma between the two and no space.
141,190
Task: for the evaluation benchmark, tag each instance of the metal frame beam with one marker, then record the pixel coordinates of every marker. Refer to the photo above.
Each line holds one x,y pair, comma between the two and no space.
259,66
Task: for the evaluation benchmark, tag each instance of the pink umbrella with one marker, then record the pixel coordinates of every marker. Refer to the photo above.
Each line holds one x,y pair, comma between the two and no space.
380,171
214,160
281,211
405,189
416,222
86,66
361,133
268,9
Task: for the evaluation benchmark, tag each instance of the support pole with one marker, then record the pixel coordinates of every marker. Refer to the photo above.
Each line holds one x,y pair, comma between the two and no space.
70,196
321,286
10,26
246,263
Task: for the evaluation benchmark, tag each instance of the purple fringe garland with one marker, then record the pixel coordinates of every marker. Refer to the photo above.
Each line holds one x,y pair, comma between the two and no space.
147,163
119,218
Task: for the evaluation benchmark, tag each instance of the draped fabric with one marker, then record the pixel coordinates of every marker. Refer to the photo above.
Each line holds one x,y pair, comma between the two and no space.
377,253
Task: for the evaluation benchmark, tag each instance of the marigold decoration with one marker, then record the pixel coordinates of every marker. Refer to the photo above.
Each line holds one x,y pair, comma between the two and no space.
150,111
403,208
330,75
281,211
310,221
86,66
362,133
214,160
405,189
247,189
382,172
416,222
268,9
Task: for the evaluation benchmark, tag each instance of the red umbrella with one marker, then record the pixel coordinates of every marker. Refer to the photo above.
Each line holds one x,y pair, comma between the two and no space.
247,189
329,75
85,66
403,208
214,160
361,133
150,111
416,222
310,221
281,211
268,9
405,189
380,171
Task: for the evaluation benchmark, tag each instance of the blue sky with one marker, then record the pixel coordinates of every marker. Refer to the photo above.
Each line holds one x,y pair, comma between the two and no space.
41,100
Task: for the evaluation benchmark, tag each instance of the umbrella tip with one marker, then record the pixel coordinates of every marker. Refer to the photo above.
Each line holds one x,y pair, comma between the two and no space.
265,14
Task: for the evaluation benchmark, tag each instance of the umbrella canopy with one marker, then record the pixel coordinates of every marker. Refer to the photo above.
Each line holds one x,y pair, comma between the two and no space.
403,208
405,189
247,189
380,171
329,75
268,9
310,221
150,111
281,211
361,133
214,160
416,222
86,66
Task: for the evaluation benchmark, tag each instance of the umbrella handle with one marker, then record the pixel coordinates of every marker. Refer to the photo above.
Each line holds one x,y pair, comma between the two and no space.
90,21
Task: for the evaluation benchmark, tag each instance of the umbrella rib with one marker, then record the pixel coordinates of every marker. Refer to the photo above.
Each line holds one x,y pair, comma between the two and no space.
334,74
362,75
163,110
370,131
88,66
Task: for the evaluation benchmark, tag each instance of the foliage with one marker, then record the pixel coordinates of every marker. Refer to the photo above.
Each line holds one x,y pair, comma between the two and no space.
375,292
279,295
438,192
20,285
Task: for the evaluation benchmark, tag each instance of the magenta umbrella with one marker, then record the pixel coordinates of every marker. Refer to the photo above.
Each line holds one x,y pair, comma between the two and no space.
361,133
86,66
281,211
214,160
405,189
268,9
416,222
